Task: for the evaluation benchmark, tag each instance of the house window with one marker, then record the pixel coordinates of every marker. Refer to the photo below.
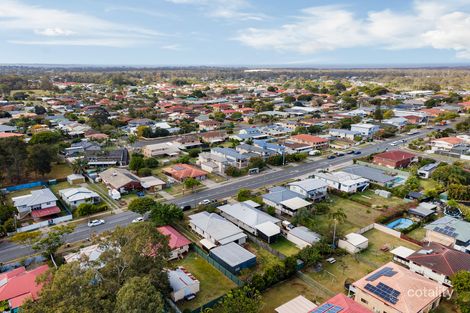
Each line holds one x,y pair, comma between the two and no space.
364,301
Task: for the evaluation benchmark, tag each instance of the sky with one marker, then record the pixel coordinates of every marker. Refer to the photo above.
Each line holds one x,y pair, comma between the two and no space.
235,32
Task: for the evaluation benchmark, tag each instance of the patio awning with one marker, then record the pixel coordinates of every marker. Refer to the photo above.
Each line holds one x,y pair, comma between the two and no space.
207,243
45,212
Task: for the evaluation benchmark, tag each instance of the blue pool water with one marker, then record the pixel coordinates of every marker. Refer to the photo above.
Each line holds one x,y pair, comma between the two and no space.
400,223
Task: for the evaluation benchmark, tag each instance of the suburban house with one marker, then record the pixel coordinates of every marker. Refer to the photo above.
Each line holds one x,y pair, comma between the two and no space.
19,285
160,149
80,147
387,289
398,122
152,183
233,157
183,284
120,179
215,230
73,197
311,188
117,157
212,137
343,181
344,133
438,262
341,304
39,203
212,163
233,257
249,133
375,175
302,237
187,142
252,220
209,125
365,129
425,171
353,243
178,243
394,159
182,171
285,201
449,231
315,142
446,143
295,147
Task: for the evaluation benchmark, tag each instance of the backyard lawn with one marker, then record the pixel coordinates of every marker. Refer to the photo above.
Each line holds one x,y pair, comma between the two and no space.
286,291
373,199
264,260
59,171
285,246
213,283
356,266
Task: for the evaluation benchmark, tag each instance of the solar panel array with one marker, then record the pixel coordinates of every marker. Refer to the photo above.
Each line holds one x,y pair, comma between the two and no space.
447,230
385,292
327,308
386,271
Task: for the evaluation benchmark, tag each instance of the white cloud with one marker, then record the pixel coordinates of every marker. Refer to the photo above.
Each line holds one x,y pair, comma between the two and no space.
226,9
31,24
431,23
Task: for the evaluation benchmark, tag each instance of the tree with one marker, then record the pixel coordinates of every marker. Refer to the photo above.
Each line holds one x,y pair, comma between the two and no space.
137,162
144,172
289,99
40,158
79,165
142,205
151,162
241,300
139,295
47,137
190,183
164,214
338,215
461,284
99,117
52,241
388,114
243,195
256,162
378,115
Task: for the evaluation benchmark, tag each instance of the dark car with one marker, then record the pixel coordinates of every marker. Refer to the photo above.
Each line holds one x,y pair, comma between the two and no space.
357,152
331,157
351,152
339,154
185,207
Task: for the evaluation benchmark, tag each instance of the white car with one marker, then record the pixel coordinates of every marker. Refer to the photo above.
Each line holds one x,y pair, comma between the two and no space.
138,219
331,260
205,202
95,223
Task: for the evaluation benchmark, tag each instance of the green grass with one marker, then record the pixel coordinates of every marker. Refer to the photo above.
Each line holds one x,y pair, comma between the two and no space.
264,260
418,233
59,171
285,246
213,283
286,291
63,185
427,184
357,266
373,199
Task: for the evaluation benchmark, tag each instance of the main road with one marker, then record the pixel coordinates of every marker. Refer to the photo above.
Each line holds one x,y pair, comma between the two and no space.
11,251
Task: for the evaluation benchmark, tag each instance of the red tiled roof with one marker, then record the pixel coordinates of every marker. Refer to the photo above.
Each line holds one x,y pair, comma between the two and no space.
348,305
8,135
309,138
182,171
176,239
441,259
21,285
45,212
395,155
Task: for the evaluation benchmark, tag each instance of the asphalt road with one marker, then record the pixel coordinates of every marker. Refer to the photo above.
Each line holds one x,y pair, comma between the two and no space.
10,251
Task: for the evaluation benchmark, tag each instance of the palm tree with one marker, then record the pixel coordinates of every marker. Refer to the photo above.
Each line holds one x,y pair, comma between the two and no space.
78,166
338,216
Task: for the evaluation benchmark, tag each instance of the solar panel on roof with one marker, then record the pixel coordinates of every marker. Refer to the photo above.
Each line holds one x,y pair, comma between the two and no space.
328,308
386,271
385,292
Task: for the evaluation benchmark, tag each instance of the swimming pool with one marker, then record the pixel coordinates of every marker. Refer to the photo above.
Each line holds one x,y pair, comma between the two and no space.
400,223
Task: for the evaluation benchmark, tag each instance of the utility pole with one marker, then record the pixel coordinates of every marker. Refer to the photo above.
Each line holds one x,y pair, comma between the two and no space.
334,234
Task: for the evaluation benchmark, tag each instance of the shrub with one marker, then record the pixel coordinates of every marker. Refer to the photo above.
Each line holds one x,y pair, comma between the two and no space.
142,172
86,209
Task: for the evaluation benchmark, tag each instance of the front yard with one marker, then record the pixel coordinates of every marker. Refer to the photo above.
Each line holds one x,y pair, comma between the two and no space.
213,283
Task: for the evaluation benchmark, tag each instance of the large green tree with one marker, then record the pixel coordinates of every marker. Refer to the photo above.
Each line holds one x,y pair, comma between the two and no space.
165,214
240,300
461,284
138,295
142,205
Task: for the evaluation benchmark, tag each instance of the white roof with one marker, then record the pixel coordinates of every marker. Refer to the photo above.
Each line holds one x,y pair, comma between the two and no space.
305,234
76,194
342,177
297,305
207,243
402,252
92,252
216,227
295,203
151,181
247,214
269,229
252,203
36,197
356,239
310,184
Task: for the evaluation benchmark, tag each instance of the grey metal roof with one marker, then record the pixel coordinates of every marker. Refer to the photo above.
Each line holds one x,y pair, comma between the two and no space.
279,194
310,184
370,173
305,234
6,128
216,226
229,152
247,214
233,254
462,228
35,198
429,167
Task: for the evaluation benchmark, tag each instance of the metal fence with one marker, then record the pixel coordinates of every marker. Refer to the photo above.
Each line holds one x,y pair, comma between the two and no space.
219,267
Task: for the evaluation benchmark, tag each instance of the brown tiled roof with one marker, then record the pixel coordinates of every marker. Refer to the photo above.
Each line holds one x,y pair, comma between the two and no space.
441,259
395,155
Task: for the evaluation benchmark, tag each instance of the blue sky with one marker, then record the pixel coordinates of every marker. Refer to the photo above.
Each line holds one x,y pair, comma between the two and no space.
235,32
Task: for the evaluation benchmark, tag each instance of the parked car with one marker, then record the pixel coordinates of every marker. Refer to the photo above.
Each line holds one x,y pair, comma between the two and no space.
138,219
94,223
357,152
185,207
331,260
351,152
339,154
331,157
205,202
